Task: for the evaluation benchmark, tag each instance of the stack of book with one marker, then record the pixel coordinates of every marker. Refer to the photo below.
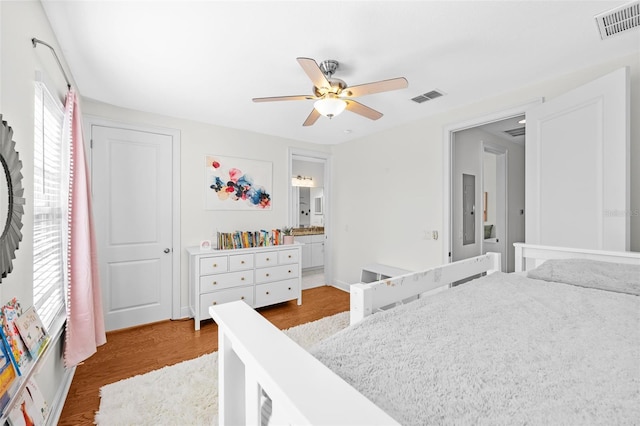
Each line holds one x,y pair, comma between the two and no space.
247,239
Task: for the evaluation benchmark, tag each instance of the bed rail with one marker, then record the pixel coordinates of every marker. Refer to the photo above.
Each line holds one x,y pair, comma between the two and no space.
529,256
368,298
253,355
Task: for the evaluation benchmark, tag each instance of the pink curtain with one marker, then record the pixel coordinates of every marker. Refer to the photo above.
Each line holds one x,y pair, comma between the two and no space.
85,322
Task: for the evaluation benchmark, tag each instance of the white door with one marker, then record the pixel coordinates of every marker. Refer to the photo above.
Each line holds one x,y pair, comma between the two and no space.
577,167
466,190
132,183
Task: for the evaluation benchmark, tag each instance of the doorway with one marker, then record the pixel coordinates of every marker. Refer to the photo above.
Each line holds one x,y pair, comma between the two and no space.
309,207
486,189
136,208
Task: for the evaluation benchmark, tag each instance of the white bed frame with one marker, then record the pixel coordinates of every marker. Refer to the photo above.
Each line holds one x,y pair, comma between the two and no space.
254,355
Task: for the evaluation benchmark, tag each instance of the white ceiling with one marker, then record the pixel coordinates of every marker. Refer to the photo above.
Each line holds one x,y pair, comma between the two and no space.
206,60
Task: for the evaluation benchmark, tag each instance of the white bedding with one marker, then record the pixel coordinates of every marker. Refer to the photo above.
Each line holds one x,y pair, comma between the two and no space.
504,349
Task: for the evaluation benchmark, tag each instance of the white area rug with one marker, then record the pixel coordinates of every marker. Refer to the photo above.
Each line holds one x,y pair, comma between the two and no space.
187,393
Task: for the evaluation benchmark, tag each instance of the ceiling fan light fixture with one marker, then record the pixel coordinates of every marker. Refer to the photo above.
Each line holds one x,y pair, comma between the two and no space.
330,106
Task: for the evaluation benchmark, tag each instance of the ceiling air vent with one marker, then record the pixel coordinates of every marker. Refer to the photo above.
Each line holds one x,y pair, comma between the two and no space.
427,96
515,132
618,20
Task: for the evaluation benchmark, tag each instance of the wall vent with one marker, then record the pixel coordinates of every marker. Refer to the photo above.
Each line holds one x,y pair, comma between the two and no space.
618,20
427,96
516,132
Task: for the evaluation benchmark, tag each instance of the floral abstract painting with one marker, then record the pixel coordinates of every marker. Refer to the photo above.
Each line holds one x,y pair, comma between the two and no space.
237,183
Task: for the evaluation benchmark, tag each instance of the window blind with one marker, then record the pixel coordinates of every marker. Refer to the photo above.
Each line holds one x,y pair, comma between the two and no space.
48,220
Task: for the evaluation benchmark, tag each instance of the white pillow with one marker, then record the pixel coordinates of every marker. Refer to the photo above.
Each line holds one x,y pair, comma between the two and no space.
618,277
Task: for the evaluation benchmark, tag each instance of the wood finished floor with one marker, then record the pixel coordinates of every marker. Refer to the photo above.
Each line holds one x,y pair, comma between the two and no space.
142,349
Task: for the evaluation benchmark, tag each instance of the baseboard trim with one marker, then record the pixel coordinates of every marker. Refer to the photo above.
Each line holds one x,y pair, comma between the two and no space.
341,285
307,287
61,396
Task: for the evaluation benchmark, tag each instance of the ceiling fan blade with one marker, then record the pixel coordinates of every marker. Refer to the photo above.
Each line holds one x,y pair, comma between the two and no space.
314,72
363,110
284,98
312,118
376,87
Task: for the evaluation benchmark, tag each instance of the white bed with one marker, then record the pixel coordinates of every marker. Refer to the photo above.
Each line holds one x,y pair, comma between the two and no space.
501,349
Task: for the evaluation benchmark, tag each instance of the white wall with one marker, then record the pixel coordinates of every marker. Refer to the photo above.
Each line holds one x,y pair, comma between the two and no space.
313,169
388,187
197,140
19,22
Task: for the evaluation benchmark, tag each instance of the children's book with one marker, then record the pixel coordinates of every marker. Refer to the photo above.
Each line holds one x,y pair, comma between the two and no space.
30,409
32,331
7,377
9,354
10,312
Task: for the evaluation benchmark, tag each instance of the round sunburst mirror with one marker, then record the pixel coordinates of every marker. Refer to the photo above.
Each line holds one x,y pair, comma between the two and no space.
11,200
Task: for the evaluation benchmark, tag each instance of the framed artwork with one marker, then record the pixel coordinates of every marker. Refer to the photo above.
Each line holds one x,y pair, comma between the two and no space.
237,183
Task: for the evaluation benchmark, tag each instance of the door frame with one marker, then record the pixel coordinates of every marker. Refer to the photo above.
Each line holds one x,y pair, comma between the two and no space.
176,249
447,162
323,157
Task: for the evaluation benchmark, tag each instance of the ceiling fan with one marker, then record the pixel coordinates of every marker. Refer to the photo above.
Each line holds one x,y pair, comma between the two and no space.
332,95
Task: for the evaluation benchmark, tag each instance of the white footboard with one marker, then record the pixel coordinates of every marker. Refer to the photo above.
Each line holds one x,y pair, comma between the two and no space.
368,298
253,355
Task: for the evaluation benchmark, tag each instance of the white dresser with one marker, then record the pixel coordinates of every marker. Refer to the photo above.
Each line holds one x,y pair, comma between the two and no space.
260,276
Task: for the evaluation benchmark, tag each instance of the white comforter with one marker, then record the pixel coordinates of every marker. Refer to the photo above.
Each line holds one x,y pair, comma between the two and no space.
504,349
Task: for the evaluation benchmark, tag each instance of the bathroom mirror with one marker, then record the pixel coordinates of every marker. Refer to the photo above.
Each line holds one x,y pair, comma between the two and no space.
308,203
11,200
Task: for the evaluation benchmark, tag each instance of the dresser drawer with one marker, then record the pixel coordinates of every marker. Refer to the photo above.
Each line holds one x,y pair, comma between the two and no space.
228,279
269,258
268,294
276,273
288,256
213,265
225,296
239,262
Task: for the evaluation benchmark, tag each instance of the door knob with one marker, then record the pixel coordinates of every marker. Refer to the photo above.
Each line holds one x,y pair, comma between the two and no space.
167,250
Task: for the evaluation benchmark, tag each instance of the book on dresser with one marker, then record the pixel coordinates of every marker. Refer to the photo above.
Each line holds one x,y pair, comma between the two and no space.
259,276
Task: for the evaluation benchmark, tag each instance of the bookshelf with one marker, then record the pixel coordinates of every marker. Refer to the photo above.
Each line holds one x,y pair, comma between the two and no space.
33,368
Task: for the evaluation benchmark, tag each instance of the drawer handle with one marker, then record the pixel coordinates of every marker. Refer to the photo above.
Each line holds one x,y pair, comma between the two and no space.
267,274
215,265
242,298
289,256
214,303
267,292
215,282
289,288
268,259
242,262
289,270
242,279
